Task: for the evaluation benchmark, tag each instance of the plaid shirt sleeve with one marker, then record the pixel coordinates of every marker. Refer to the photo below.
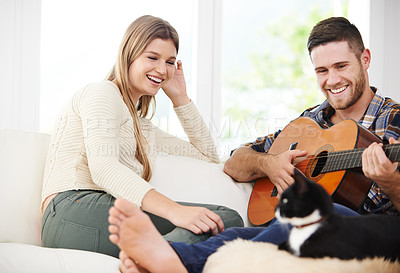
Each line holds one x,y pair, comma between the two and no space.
393,127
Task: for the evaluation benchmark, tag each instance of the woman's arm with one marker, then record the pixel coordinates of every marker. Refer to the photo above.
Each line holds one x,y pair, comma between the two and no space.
201,144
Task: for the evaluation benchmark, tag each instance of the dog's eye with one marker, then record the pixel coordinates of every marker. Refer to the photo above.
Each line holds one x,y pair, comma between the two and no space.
285,200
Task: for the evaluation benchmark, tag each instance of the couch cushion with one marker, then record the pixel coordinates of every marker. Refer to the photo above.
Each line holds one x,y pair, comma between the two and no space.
192,180
22,160
22,258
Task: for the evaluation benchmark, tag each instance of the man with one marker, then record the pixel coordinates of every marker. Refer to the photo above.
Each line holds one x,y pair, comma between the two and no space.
341,62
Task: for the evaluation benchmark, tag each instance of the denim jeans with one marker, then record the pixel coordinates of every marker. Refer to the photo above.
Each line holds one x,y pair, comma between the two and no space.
194,256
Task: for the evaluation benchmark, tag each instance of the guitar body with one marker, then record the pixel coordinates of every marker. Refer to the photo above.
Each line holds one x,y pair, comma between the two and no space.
347,187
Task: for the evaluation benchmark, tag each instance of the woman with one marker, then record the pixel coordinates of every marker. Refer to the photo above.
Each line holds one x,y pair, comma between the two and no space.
103,148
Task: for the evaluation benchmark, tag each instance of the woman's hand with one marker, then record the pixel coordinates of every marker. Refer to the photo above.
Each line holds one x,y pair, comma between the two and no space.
196,219
175,88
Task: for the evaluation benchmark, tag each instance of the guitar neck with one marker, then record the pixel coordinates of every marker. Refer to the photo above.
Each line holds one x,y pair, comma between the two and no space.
350,159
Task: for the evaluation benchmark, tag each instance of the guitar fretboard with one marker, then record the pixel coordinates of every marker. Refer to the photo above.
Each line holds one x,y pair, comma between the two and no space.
350,159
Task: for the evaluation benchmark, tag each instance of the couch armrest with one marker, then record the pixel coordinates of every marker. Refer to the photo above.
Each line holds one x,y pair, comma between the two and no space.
22,160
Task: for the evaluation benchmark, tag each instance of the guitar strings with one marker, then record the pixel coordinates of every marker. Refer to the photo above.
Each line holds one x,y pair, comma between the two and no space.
336,156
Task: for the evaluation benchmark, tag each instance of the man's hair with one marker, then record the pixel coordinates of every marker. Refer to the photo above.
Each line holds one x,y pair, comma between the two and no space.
336,29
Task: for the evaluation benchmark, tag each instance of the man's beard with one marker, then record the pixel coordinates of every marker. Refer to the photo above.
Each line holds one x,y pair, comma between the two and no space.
358,90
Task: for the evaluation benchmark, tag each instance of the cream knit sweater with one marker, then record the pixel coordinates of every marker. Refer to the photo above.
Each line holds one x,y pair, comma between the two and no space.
93,146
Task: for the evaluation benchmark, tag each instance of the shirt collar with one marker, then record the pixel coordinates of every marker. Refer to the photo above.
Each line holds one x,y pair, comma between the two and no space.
373,110
366,120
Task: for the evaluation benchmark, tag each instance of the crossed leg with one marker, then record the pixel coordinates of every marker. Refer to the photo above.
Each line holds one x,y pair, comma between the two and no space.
143,249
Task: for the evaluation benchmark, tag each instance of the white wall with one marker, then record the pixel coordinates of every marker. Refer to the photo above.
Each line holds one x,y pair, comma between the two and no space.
20,64
207,61
20,58
384,45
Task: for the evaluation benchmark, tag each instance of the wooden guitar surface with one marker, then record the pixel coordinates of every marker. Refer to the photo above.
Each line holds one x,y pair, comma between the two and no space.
348,187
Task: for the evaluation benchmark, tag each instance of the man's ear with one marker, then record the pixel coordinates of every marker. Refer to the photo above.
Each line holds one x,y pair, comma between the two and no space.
366,58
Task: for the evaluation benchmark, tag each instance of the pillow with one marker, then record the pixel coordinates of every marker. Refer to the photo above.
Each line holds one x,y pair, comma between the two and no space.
22,160
192,180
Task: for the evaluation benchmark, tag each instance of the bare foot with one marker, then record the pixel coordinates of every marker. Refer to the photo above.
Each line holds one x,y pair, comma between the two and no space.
120,211
135,234
128,265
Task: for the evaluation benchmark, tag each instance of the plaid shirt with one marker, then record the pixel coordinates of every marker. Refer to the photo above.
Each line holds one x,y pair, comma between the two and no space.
382,118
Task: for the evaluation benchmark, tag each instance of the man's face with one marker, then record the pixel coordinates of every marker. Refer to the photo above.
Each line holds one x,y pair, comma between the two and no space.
340,74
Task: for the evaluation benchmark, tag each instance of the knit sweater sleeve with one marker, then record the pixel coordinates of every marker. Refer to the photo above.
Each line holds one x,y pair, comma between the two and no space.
102,112
200,146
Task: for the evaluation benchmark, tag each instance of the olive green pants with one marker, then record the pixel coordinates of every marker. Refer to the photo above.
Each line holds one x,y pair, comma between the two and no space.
78,220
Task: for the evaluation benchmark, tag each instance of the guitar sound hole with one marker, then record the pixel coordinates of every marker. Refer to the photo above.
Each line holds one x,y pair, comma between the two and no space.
319,163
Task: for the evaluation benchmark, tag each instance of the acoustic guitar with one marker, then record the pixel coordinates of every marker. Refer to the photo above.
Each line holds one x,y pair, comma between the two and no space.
333,161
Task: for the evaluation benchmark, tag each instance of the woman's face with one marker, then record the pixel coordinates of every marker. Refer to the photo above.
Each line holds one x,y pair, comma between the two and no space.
155,66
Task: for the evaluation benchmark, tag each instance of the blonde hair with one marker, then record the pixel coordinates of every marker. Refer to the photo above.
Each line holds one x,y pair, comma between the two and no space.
139,34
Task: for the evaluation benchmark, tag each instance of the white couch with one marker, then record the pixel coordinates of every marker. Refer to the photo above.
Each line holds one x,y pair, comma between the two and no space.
22,157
